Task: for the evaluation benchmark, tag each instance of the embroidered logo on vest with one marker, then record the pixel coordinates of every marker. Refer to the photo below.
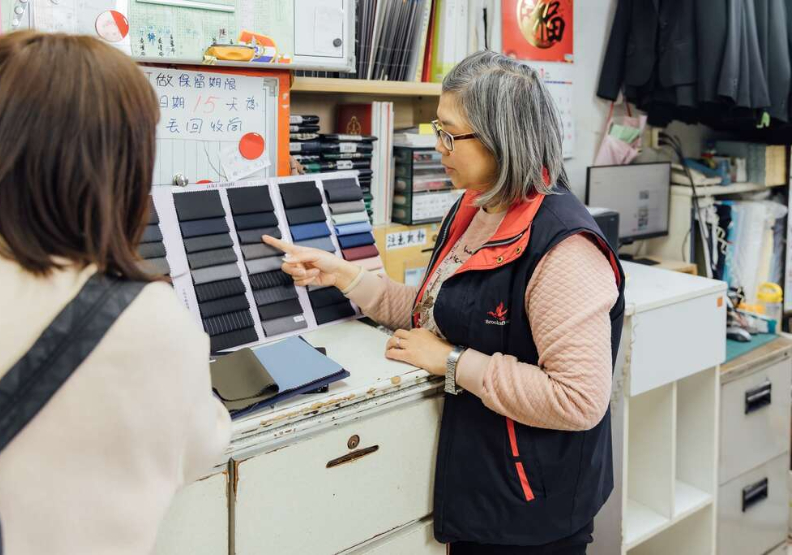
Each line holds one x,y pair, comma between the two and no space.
499,316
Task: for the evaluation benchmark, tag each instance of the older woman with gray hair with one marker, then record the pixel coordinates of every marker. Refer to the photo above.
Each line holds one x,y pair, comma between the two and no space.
520,311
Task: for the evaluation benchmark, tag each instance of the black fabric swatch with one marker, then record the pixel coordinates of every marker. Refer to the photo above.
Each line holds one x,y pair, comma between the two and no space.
253,236
333,312
152,234
297,195
253,221
275,294
153,217
219,289
231,321
211,258
279,310
270,279
232,339
297,216
199,205
261,250
222,306
208,242
151,250
344,194
325,297
249,200
195,228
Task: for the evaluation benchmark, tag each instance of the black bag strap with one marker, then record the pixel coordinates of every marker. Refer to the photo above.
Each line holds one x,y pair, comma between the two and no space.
29,385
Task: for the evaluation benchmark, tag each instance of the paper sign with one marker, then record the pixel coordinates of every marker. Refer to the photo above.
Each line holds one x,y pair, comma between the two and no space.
432,206
236,166
403,239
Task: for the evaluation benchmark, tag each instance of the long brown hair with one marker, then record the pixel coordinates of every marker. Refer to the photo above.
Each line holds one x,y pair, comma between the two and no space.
77,128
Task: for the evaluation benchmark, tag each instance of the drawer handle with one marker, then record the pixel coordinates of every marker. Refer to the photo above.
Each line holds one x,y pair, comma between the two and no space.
758,397
753,494
353,456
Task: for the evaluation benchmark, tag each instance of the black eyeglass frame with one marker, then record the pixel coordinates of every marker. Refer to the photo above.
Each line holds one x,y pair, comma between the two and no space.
447,138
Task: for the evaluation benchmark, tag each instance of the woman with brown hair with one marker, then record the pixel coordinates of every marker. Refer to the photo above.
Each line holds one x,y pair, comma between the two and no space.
106,406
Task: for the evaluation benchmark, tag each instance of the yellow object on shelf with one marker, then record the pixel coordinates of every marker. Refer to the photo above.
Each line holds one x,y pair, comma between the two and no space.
771,297
231,53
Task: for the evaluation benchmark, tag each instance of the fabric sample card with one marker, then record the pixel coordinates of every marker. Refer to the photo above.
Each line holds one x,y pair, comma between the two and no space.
153,217
230,321
232,339
345,194
347,207
323,243
297,195
355,217
326,297
279,310
200,205
350,229
240,380
275,294
151,250
219,289
155,266
215,273
253,221
196,228
222,306
359,253
283,325
151,234
211,258
370,264
260,250
356,240
207,242
297,216
249,200
333,312
309,231
264,280
341,183
268,264
253,236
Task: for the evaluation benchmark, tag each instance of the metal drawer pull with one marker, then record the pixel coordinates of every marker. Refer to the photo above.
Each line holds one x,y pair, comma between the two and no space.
753,494
353,456
758,397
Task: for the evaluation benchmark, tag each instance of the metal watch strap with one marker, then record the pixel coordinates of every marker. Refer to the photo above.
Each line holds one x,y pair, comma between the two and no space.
451,366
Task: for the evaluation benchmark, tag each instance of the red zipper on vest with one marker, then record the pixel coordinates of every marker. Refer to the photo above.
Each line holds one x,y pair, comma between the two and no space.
515,451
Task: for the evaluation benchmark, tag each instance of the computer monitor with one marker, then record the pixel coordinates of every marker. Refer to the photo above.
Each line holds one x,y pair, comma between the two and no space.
640,193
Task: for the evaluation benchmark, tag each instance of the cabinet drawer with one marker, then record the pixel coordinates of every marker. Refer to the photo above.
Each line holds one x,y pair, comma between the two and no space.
197,521
754,423
325,493
753,510
415,539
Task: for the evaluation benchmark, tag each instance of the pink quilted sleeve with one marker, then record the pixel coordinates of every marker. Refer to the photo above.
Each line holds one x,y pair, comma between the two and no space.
383,300
568,302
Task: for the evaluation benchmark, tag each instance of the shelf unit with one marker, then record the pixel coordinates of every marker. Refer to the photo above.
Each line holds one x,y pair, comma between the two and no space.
413,103
722,190
671,467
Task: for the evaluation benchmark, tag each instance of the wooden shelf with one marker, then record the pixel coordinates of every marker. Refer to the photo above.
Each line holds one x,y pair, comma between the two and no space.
719,190
362,86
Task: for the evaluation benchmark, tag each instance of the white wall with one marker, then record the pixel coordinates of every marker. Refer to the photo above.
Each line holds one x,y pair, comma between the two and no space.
592,28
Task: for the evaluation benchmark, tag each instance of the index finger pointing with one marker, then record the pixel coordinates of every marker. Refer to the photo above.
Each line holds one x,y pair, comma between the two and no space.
288,248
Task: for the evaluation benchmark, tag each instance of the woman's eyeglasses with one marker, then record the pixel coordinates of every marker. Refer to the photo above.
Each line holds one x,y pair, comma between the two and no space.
447,139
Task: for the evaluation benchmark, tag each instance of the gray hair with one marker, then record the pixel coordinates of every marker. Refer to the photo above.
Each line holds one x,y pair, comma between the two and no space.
514,116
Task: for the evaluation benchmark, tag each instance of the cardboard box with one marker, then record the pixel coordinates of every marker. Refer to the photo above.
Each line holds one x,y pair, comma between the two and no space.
406,250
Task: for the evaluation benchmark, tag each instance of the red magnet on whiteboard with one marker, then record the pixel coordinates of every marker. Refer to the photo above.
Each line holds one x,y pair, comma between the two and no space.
251,146
112,26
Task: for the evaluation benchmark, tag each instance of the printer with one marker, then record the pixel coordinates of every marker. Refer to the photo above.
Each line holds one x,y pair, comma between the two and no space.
608,222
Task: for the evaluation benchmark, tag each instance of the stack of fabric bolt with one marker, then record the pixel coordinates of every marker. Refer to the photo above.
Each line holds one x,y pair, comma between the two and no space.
304,143
151,248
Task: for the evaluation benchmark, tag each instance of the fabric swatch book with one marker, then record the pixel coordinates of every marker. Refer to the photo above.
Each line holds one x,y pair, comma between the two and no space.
296,367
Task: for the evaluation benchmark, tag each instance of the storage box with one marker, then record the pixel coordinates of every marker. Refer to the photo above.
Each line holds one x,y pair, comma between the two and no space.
422,191
406,250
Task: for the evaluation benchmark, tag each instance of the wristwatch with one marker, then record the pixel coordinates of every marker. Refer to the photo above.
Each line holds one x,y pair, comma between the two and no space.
451,366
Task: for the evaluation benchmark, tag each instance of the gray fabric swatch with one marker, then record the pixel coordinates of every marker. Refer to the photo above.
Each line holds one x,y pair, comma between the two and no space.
341,219
211,258
151,250
283,325
347,207
261,250
274,294
264,264
323,243
253,236
215,273
155,266
208,242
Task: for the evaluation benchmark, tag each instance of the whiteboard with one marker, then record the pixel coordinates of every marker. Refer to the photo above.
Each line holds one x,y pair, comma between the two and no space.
204,116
